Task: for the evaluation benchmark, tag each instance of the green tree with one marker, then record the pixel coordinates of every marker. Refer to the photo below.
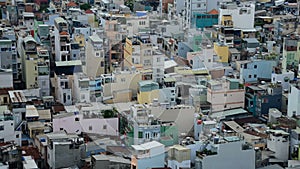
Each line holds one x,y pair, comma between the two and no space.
109,113
130,4
85,6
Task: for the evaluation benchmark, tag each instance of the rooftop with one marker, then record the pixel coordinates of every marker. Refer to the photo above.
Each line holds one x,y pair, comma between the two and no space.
147,146
17,96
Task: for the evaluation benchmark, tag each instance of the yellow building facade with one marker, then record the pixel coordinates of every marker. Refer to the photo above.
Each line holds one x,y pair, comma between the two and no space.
222,52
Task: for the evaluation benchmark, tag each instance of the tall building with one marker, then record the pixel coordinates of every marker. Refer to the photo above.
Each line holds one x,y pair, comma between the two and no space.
290,53
64,150
225,94
62,40
28,53
95,56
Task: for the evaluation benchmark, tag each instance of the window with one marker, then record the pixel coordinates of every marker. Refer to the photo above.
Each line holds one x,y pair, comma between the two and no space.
90,128
255,76
17,136
102,64
198,5
255,66
69,97
225,94
97,54
245,66
123,79
140,134
5,100
82,96
250,76
104,127
1,128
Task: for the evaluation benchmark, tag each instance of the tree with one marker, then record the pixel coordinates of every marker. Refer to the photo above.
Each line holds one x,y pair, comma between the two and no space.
85,6
130,4
109,113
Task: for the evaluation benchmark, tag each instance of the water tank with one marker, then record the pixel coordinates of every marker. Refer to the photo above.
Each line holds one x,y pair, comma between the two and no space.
216,140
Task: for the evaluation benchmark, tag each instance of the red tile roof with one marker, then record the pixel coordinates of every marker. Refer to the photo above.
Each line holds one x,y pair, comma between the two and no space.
72,4
88,11
213,12
63,33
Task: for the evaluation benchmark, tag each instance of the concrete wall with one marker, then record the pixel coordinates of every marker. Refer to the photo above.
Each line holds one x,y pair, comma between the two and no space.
223,100
8,82
293,102
227,157
107,126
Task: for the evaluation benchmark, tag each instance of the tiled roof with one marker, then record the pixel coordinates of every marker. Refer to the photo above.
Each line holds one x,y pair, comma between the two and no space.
213,12
72,4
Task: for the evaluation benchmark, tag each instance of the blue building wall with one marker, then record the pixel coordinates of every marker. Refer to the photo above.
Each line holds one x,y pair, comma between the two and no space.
201,20
183,49
252,71
153,162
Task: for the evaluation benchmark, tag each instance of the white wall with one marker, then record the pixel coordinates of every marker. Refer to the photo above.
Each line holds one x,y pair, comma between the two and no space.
281,77
230,98
230,155
9,133
83,125
293,101
279,146
8,82
245,20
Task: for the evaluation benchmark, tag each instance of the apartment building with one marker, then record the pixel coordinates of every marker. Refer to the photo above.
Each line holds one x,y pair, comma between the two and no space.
225,94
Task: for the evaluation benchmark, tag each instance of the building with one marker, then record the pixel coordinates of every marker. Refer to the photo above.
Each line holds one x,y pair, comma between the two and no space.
259,99
151,154
253,71
18,101
293,100
291,53
95,58
80,89
283,78
222,154
278,143
225,94
148,90
29,60
62,40
43,72
63,89
7,127
6,74
222,51
102,161
90,119
64,150
241,16
179,157
203,20
6,53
